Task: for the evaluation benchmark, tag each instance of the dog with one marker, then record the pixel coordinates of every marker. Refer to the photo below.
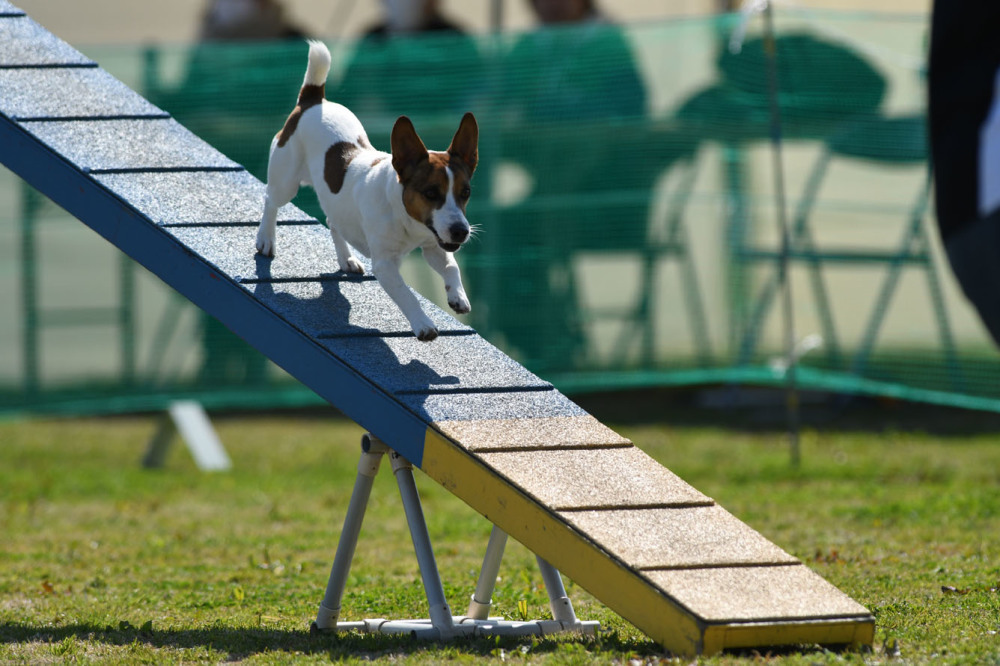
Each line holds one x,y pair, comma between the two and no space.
384,205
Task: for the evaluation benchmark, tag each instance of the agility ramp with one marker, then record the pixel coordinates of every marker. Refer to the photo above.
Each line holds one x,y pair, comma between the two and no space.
641,540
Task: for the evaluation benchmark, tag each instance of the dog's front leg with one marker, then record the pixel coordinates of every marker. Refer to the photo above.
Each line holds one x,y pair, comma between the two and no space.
446,266
387,272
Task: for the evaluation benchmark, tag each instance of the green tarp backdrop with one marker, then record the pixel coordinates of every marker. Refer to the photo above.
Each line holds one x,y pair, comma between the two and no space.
627,225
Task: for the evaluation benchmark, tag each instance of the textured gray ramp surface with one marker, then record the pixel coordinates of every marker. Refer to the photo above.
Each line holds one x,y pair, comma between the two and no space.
644,542
69,93
206,197
108,145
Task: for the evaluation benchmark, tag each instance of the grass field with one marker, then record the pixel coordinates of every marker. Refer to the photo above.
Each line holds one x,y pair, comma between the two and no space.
103,561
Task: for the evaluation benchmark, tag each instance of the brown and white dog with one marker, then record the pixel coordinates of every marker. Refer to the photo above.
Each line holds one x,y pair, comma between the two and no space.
384,205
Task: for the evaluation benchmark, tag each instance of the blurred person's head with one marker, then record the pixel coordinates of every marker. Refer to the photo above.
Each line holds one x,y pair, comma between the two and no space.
564,11
245,19
408,15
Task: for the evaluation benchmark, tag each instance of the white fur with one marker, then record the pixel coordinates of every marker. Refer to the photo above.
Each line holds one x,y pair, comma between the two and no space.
368,212
319,64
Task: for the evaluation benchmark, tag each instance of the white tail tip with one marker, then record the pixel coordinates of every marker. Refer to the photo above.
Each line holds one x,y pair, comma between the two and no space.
319,63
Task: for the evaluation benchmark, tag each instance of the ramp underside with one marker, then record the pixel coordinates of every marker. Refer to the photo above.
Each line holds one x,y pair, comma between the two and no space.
651,547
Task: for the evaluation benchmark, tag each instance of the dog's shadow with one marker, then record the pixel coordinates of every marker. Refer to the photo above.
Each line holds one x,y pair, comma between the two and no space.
327,316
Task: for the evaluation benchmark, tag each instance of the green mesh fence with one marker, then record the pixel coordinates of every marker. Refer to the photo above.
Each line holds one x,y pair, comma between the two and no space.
625,201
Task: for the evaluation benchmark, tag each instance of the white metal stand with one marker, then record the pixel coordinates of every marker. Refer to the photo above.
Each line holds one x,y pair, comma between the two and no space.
441,624
188,418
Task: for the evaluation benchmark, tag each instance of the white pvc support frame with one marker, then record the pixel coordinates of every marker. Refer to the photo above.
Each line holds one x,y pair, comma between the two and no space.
372,451
440,612
482,598
188,419
441,624
559,603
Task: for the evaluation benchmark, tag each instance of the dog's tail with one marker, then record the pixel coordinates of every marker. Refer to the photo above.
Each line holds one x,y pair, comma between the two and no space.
319,64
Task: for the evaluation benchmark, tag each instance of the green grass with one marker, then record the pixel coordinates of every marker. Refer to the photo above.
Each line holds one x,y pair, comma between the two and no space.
103,561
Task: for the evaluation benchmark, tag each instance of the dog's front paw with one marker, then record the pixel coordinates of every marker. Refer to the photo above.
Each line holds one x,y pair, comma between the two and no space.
460,305
458,301
265,244
426,334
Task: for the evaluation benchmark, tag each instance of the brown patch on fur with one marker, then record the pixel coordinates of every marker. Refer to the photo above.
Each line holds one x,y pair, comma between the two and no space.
338,158
378,159
465,143
426,177
309,96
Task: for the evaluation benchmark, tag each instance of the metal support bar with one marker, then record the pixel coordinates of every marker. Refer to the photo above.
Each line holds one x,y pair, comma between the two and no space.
441,624
372,451
482,598
439,610
188,418
562,607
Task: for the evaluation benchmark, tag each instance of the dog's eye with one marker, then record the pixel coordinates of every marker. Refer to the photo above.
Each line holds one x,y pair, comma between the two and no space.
432,194
465,193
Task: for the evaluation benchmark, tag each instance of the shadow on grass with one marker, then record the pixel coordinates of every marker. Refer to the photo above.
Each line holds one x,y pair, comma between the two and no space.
240,643
764,410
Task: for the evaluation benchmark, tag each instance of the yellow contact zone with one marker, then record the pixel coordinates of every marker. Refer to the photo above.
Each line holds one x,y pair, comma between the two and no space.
541,530
829,632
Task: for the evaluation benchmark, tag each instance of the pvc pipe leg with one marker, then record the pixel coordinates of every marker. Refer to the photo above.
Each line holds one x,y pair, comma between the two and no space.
371,456
440,613
562,607
482,599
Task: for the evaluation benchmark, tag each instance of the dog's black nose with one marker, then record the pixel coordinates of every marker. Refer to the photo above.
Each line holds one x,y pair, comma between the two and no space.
459,232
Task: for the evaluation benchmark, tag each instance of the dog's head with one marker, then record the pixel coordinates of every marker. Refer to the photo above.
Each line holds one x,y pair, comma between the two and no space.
436,185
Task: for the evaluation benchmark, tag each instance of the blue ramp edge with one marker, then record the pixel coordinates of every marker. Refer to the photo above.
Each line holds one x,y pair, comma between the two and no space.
188,214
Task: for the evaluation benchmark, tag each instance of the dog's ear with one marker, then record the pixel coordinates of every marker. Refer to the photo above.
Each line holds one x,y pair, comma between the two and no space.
465,144
407,149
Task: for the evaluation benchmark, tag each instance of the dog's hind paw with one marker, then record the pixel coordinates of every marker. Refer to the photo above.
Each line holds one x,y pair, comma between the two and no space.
265,246
352,265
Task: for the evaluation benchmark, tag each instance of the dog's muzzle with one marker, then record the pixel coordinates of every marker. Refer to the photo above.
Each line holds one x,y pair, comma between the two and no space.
459,233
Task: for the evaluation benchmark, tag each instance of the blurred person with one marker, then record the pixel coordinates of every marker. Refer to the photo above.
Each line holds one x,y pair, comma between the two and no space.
235,90
239,78
964,122
416,62
564,11
570,102
232,20
577,65
401,17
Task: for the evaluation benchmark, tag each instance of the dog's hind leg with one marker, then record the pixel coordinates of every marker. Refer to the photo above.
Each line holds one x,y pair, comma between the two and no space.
446,266
282,185
345,258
